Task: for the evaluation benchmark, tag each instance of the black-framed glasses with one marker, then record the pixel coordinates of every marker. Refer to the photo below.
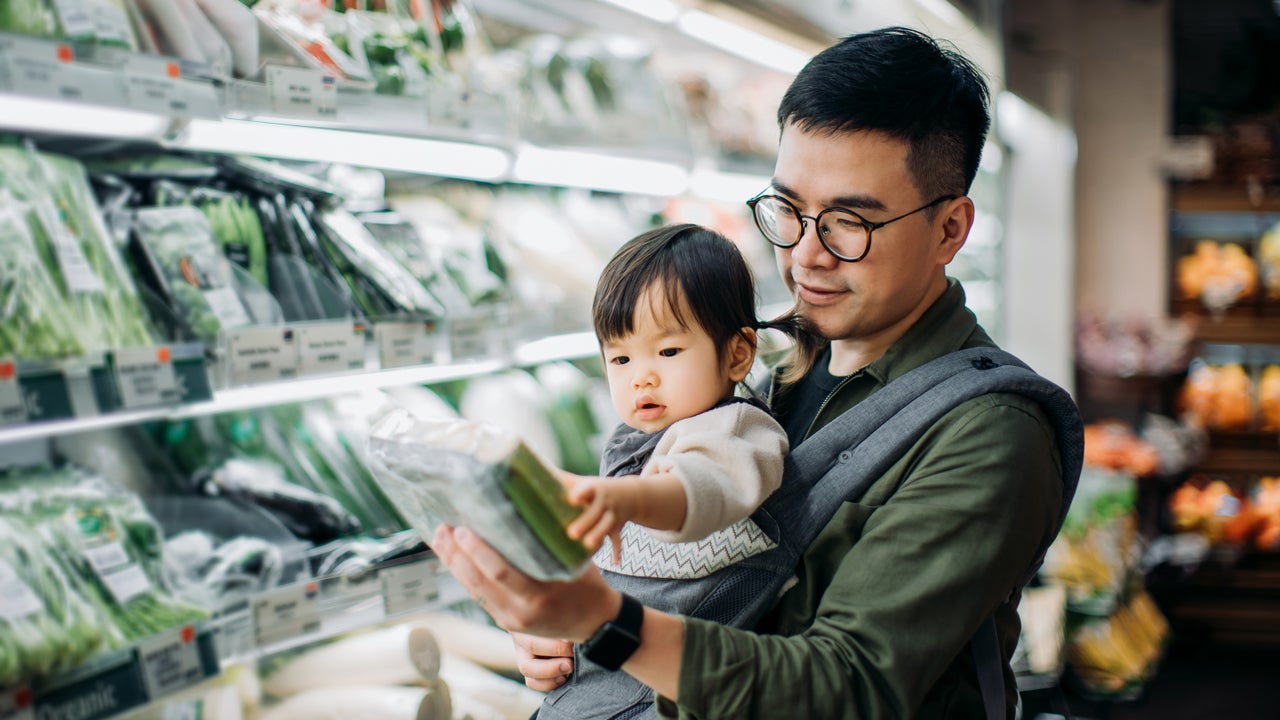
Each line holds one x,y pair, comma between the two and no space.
843,232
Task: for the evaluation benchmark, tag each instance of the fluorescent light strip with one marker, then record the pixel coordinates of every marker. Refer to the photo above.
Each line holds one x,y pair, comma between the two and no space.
727,187
574,168
741,41
663,11
386,152
55,116
558,347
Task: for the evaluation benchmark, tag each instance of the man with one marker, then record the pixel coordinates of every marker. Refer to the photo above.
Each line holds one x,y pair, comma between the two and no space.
881,136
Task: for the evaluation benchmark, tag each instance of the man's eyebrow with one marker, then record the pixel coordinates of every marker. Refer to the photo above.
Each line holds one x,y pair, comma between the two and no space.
853,202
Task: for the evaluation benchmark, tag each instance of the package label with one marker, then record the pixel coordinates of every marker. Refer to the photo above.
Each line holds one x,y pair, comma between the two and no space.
170,661
12,408
300,92
17,601
262,354
409,587
145,377
286,613
330,347
403,344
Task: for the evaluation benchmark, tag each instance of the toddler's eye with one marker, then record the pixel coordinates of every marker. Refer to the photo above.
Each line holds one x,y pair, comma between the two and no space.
669,352
620,360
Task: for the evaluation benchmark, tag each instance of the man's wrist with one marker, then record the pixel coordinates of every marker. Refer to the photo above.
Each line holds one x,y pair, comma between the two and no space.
617,639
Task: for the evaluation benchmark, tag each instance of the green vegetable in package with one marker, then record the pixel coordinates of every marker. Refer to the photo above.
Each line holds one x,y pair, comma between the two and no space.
186,264
450,471
35,320
76,248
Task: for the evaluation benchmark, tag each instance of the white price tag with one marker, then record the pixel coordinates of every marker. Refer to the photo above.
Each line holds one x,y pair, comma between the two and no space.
468,338
110,22
170,661
16,599
76,17
330,347
145,377
260,354
410,587
226,306
286,613
183,710
46,69
77,273
300,92
12,408
127,584
17,704
402,344
153,84
108,557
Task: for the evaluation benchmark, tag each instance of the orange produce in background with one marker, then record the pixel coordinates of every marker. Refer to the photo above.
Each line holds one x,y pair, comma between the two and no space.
1217,274
1269,398
1219,397
1113,445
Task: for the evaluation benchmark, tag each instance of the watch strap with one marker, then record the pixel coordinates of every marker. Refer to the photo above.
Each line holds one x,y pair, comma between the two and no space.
617,640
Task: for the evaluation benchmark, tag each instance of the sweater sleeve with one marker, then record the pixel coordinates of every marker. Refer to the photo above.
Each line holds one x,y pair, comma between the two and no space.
728,459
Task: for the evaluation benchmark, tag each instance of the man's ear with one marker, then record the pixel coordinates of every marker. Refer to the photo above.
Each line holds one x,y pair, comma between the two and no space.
954,221
742,353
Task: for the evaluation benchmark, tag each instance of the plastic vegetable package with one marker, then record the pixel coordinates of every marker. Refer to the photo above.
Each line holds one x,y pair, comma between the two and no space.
187,266
476,475
35,321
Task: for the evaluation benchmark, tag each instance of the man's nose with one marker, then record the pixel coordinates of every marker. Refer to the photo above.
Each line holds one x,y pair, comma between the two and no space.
810,252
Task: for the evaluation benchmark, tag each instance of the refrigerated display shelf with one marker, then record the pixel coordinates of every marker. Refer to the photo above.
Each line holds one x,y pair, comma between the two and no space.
571,346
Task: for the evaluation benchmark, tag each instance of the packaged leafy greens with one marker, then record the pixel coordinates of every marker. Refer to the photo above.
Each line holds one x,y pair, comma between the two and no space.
67,226
35,321
186,265
476,475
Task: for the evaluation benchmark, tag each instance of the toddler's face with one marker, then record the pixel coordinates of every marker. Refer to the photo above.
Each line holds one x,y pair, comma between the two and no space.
663,372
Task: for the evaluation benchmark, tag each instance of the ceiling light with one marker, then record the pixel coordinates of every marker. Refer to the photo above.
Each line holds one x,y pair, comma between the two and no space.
386,152
54,116
741,41
663,11
593,171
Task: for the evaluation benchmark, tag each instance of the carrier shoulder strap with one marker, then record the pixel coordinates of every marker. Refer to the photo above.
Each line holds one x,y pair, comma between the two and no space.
869,439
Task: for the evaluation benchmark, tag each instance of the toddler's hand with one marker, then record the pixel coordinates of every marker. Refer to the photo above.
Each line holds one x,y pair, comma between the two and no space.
608,504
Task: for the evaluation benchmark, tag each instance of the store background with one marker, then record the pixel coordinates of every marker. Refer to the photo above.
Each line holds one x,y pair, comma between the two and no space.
1126,133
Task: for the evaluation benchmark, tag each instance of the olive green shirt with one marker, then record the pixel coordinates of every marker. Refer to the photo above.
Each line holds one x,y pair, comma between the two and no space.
893,588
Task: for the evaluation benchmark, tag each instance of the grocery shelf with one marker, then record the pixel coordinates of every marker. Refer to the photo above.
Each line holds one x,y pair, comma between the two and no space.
571,346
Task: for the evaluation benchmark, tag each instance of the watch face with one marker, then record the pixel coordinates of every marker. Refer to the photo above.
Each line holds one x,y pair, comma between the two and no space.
617,639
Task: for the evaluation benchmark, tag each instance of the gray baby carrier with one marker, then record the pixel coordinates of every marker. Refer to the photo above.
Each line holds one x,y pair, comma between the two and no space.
836,465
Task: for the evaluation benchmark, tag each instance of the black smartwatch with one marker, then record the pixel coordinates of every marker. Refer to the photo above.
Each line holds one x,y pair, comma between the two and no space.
618,639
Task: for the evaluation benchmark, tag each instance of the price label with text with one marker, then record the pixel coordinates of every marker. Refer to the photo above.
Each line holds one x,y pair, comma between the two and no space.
154,84
260,354
409,587
17,704
300,92
32,66
330,347
171,661
402,344
286,613
145,377
12,408
16,599
468,338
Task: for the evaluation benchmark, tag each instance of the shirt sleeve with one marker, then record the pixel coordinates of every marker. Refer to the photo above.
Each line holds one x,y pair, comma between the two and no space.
728,459
934,559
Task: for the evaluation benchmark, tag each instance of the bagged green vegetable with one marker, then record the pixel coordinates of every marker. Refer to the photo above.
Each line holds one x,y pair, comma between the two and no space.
461,473
35,320
186,265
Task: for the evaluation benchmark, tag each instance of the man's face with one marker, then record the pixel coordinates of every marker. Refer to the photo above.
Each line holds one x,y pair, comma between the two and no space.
881,295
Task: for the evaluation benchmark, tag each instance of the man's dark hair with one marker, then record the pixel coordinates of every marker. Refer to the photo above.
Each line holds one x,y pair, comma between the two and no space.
903,83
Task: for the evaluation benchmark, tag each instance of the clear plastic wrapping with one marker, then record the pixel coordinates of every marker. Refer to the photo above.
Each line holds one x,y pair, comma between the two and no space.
463,473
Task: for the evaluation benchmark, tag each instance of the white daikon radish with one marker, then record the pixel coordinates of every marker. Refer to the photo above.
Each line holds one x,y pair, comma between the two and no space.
401,654
238,26
172,30
511,698
466,707
216,51
365,703
469,639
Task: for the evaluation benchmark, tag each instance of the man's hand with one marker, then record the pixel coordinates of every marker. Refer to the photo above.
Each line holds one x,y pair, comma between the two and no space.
570,610
545,663
609,504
